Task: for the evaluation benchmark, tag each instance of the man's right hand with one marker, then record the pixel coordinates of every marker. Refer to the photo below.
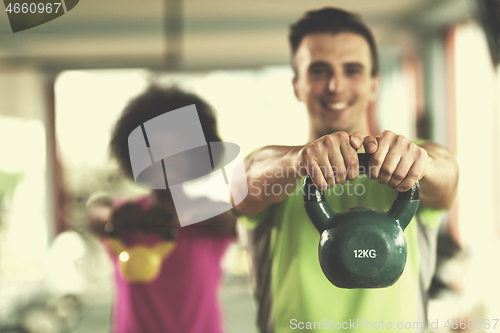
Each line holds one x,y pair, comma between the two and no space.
331,159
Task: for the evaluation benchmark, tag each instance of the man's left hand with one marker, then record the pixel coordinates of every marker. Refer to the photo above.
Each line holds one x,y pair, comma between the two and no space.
395,160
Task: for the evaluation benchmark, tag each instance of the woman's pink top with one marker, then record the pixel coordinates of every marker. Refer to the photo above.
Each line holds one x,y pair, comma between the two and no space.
185,296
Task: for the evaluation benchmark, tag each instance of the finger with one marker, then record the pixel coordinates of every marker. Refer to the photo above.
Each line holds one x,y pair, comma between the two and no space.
414,174
351,162
356,140
388,167
302,169
338,166
314,171
401,171
371,144
376,161
328,171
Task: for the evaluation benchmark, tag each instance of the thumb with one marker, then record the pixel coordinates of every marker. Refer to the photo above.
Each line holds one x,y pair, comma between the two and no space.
371,144
356,140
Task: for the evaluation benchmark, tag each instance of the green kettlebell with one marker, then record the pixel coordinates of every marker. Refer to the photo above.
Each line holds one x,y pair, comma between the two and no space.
361,247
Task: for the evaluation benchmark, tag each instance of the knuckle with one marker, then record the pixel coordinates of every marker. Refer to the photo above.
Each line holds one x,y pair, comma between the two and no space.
406,185
351,161
385,171
382,180
422,153
305,153
377,160
315,146
336,171
386,133
341,172
329,178
327,172
402,140
342,135
413,175
328,141
398,176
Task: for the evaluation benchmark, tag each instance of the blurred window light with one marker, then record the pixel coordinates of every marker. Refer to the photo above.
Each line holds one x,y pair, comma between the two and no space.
476,100
87,105
64,276
475,93
24,235
395,108
250,107
23,229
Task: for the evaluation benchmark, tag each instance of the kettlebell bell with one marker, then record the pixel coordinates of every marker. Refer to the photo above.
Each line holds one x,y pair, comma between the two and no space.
361,247
142,263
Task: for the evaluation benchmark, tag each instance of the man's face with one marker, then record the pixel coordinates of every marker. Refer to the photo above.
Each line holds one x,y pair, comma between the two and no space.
334,81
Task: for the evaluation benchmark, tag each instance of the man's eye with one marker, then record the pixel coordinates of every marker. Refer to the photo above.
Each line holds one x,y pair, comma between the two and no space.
353,71
319,72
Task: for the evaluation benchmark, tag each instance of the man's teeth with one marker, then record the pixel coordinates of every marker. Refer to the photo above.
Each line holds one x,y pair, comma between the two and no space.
338,106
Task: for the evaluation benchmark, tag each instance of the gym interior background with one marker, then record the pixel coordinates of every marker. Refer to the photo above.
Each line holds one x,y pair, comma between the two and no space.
62,85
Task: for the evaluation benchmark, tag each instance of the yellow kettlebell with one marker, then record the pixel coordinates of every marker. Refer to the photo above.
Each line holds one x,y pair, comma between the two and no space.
140,263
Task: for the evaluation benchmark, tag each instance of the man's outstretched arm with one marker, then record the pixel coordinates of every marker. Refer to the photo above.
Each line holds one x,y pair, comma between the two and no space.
263,172
273,171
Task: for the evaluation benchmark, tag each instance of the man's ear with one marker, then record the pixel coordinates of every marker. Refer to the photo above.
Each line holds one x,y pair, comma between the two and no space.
374,87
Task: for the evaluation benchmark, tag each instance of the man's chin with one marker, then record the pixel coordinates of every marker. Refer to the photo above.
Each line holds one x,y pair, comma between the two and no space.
337,127
332,130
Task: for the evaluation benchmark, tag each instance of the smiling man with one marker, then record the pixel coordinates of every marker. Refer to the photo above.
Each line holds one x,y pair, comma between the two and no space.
335,61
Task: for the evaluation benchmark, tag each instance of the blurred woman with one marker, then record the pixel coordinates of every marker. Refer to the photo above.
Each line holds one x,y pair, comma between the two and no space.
166,277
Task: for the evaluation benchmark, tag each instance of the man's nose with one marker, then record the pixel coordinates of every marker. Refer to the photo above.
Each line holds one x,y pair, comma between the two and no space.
336,83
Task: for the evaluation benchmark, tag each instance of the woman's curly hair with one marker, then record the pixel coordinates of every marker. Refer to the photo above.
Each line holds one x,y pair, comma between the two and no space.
154,102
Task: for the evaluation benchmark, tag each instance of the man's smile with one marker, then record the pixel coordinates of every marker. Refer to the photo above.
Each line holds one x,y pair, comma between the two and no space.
336,105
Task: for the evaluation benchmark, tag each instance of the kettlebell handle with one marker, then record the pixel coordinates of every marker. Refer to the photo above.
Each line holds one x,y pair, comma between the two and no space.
312,194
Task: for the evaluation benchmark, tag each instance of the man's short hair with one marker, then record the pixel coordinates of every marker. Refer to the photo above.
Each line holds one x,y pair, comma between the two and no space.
153,102
332,20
